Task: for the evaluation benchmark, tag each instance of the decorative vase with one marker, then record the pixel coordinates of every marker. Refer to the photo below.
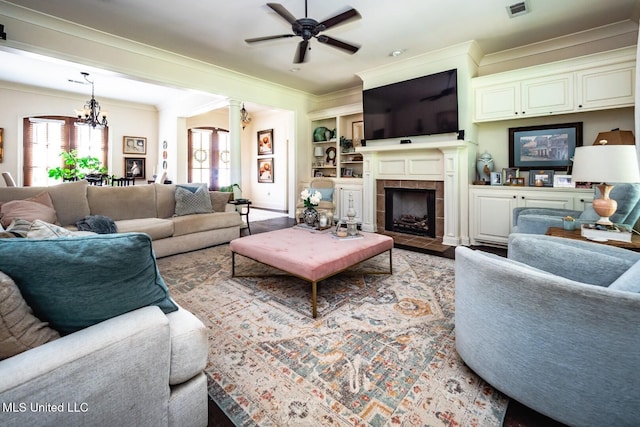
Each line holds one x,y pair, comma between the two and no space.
310,216
484,166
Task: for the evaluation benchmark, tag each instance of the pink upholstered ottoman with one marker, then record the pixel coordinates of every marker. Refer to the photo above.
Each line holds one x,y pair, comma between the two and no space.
310,256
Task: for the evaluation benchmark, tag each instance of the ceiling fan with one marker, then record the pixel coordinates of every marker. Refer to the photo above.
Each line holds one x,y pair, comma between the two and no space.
308,28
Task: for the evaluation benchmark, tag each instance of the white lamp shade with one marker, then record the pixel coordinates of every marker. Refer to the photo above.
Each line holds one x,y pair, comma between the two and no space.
605,163
318,152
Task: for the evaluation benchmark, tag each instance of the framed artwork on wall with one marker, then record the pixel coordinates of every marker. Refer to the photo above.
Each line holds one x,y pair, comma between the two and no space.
1,145
544,147
265,170
134,167
134,145
265,142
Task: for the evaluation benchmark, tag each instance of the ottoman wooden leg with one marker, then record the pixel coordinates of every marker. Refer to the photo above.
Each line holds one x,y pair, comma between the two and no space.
314,304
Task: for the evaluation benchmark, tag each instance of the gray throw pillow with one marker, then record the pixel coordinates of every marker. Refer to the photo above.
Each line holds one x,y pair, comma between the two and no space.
192,199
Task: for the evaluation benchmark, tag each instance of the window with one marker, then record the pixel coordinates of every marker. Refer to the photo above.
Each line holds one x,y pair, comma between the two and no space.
209,157
46,137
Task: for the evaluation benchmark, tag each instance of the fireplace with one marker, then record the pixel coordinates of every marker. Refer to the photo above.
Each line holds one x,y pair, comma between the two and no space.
410,211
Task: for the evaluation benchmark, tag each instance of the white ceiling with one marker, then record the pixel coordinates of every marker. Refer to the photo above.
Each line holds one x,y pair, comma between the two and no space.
214,31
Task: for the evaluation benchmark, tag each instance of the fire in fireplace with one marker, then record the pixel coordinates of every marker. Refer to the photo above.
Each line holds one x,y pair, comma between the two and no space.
411,211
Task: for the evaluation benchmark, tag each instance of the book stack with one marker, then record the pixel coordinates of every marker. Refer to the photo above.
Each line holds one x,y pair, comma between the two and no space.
603,233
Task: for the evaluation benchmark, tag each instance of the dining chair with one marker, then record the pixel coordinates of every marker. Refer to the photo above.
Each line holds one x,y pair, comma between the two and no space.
8,179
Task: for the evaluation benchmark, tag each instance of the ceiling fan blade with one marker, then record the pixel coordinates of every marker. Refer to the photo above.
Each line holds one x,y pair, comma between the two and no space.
303,46
341,18
338,43
283,12
262,39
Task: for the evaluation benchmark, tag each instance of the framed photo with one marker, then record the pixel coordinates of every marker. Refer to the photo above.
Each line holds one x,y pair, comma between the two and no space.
544,147
318,174
357,133
348,172
265,142
265,170
134,167
518,181
134,145
541,178
563,181
508,174
496,178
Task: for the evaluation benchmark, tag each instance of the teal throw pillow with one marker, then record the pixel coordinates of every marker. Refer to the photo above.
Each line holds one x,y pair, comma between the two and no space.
76,282
192,199
327,193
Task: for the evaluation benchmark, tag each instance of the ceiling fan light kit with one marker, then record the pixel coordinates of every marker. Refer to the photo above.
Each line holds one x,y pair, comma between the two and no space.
309,28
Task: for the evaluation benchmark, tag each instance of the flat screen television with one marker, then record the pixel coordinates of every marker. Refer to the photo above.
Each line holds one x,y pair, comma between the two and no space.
422,106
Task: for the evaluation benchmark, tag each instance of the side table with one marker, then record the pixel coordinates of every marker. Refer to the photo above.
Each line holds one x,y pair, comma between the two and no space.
634,245
243,206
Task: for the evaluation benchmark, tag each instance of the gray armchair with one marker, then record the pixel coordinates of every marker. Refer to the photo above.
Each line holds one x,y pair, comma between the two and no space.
538,220
554,326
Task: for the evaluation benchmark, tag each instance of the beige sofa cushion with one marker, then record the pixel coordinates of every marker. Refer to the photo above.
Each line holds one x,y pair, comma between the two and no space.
157,228
118,203
219,200
69,199
31,209
20,330
203,222
165,200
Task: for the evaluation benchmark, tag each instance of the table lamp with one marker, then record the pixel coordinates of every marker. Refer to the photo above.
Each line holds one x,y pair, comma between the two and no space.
318,152
604,164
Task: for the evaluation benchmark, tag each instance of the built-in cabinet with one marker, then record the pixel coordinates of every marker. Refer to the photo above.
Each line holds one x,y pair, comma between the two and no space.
601,81
337,160
344,192
491,208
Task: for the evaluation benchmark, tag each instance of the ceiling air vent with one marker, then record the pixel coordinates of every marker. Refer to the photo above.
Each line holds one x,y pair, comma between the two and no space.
518,9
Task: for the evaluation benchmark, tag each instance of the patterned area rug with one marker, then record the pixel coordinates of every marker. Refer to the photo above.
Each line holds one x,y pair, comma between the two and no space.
380,353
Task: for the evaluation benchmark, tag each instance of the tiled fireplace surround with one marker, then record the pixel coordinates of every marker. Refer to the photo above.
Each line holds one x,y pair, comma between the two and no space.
445,166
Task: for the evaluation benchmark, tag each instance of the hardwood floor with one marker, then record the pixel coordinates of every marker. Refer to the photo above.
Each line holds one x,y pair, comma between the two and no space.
517,414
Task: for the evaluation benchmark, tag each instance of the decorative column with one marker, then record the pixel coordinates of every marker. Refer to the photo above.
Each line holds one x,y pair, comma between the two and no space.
235,131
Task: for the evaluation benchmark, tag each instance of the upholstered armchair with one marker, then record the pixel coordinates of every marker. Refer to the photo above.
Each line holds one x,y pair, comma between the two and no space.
326,187
538,220
554,326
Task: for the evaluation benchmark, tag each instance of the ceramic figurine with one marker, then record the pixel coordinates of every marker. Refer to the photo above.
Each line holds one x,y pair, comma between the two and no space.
484,165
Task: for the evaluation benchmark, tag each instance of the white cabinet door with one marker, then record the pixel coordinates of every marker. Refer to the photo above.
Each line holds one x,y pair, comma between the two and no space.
545,200
548,95
491,216
610,86
497,102
344,191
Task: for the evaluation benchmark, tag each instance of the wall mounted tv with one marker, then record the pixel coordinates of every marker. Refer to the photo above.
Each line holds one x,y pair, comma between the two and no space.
422,106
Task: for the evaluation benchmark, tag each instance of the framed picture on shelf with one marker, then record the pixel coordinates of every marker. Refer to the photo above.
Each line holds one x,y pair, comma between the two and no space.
544,147
496,178
508,174
134,145
265,142
265,170
357,133
318,174
541,178
134,167
563,181
348,172
518,181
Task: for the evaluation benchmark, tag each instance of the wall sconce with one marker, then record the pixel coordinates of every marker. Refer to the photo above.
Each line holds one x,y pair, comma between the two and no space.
244,116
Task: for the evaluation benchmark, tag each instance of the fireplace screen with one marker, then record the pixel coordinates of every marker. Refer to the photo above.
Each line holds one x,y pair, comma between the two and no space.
411,211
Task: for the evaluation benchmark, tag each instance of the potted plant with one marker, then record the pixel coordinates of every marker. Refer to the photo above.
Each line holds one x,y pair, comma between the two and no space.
233,188
77,167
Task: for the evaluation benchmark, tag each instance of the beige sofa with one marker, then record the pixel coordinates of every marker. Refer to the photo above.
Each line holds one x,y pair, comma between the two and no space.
146,208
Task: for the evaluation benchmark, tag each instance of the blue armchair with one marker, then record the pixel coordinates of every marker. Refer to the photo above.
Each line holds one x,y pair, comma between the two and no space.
538,220
554,326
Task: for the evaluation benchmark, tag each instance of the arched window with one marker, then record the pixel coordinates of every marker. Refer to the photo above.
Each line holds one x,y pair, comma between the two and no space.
46,137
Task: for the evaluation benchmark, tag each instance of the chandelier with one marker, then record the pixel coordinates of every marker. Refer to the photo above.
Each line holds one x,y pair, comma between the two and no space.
244,116
90,113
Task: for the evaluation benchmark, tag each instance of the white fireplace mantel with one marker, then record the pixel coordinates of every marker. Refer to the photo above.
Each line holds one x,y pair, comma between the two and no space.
449,161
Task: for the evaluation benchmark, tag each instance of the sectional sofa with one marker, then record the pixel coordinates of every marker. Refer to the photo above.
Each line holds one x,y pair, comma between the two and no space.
149,209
